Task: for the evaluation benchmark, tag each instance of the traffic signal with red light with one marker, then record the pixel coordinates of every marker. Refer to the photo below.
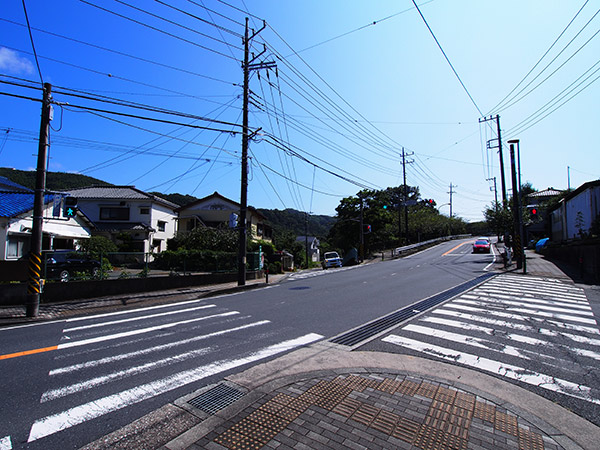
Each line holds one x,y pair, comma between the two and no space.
366,228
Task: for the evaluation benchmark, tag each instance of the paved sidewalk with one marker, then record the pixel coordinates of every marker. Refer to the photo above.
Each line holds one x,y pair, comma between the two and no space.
327,397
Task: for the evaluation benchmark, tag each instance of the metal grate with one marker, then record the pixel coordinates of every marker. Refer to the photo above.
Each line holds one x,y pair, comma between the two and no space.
216,398
377,326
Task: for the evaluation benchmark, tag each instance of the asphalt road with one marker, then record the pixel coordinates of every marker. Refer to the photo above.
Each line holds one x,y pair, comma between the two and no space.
69,382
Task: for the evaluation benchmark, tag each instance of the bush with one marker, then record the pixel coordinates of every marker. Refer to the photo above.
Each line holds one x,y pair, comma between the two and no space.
196,260
275,267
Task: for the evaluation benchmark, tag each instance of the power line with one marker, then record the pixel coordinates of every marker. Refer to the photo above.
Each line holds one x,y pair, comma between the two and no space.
117,52
375,22
540,60
37,63
447,59
155,28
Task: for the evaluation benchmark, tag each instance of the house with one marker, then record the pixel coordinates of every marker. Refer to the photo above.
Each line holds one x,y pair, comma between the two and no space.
216,211
576,213
122,213
539,222
313,247
7,185
16,223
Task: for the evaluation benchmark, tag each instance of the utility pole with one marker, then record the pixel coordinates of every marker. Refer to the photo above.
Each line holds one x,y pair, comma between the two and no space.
32,301
499,146
569,178
306,239
404,162
247,66
518,212
362,230
495,202
451,192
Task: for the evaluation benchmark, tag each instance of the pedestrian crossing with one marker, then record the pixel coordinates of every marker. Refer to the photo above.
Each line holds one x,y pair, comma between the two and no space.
108,362
318,273
538,331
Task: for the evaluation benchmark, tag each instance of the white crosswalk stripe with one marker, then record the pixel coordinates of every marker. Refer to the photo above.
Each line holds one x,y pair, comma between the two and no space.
535,330
104,361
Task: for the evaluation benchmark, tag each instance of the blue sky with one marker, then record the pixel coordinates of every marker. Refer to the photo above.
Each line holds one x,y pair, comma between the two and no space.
355,83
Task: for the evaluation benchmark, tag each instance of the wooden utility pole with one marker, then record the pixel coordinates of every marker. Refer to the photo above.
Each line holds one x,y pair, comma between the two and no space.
247,66
34,290
499,146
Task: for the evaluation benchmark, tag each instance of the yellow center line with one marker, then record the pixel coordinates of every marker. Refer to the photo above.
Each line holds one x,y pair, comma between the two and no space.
454,248
29,352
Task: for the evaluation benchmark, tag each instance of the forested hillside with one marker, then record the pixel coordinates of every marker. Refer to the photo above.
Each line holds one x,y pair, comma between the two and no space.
295,221
55,181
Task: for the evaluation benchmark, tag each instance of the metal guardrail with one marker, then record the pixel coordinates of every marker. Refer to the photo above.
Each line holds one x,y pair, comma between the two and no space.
399,251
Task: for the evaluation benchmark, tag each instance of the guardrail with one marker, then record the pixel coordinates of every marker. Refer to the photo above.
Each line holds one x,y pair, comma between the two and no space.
400,251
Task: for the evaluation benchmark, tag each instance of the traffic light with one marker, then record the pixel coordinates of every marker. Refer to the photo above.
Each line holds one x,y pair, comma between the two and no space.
428,202
366,228
70,207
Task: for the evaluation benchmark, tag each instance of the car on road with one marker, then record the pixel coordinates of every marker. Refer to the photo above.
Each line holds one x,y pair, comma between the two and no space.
481,246
63,265
331,259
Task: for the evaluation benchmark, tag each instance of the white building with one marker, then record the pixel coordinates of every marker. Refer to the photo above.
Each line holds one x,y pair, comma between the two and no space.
119,211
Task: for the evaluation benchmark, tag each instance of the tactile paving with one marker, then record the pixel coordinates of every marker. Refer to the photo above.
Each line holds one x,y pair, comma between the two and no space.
445,426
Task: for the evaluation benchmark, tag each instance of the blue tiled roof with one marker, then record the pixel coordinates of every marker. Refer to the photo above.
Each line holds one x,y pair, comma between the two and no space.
14,203
7,184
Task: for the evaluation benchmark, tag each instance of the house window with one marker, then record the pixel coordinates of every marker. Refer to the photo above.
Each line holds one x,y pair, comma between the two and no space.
162,225
157,245
145,211
15,246
114,213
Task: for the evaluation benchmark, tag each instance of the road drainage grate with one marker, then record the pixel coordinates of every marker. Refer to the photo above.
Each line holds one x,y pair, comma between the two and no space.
368,330
216,398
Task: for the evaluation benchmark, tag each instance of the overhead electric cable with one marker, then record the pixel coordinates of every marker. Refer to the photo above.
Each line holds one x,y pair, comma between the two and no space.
447,59
117,52
155,28
32,43
539,60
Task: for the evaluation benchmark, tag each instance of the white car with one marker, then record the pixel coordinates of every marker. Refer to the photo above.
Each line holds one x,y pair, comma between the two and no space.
331,259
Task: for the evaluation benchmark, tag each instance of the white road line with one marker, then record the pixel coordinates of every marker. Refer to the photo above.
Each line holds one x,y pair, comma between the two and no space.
517,326
527,311
482,291
122,356
132,319
511,337
507,370
528,304
82,413
131,311
5,443
140,331
91,383
511,316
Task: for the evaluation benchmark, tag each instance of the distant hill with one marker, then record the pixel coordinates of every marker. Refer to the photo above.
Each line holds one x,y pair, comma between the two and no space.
55,181
178,199
295,221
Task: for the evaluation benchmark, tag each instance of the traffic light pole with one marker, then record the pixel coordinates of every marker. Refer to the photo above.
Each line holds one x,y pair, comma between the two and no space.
517,212
32,300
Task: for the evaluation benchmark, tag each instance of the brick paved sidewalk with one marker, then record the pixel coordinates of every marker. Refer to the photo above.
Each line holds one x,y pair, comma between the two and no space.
375,411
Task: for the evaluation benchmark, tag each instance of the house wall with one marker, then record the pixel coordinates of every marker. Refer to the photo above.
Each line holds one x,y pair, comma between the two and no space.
61,228
137,214
168,217
577,213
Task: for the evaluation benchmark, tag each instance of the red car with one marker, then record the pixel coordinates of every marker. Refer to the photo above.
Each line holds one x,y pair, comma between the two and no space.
481,246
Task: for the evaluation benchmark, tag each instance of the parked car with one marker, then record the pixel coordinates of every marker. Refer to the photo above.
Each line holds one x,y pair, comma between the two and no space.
64,264
482,246
331,259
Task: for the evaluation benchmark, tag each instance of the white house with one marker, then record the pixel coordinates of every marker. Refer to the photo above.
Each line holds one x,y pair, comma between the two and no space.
148,220
16,223
576,212
216,210
313,247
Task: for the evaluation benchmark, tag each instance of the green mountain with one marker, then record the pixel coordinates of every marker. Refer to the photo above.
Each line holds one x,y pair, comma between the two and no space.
55,181
294,221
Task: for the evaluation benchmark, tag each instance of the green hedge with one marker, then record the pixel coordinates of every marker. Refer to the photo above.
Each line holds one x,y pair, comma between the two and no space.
196,260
